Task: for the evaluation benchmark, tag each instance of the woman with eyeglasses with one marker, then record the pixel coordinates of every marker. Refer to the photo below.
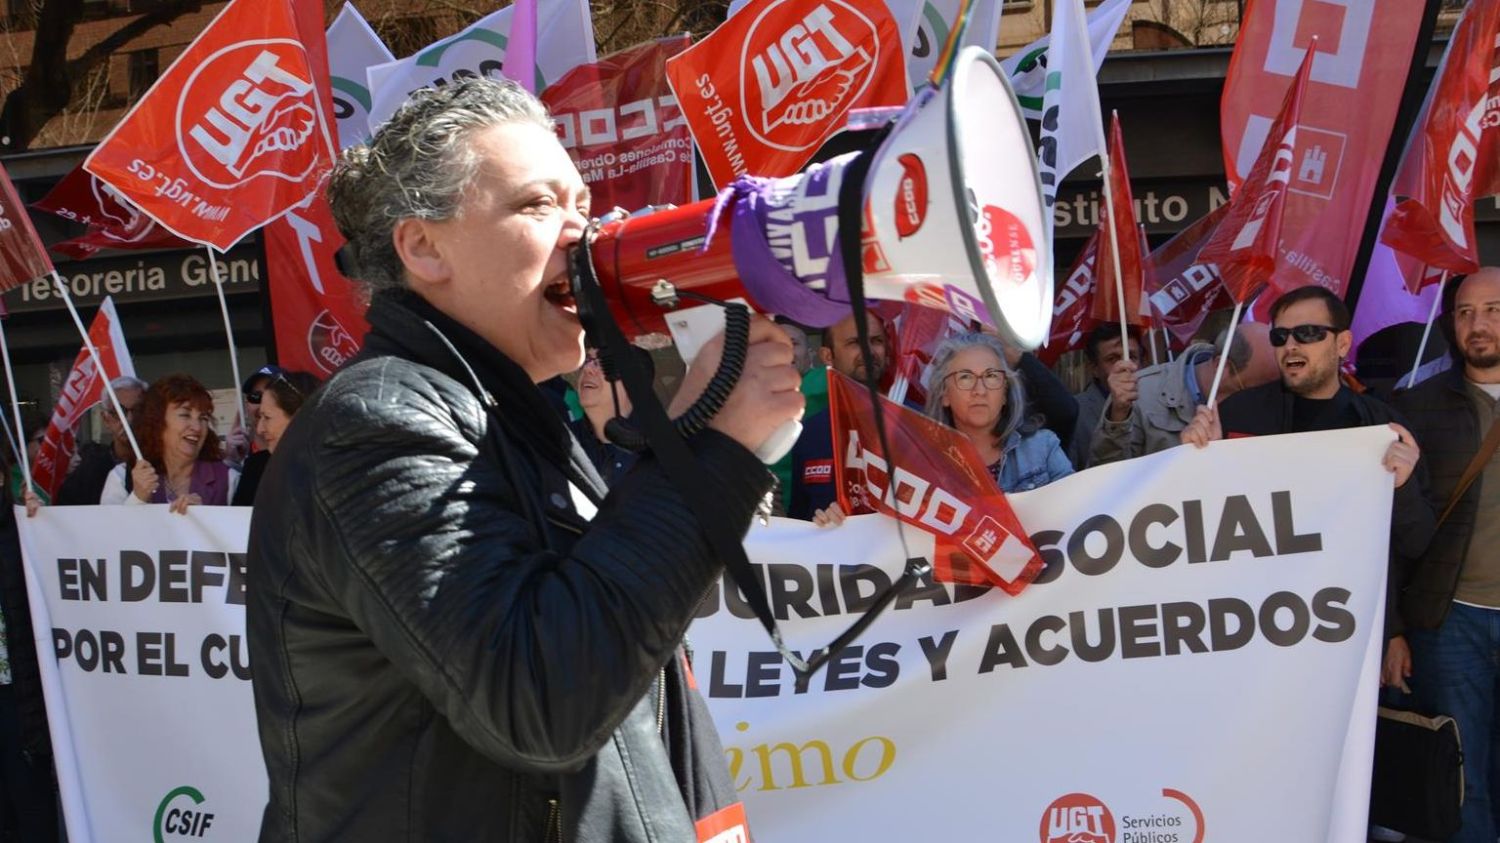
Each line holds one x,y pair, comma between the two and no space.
183,463
278,400
970,387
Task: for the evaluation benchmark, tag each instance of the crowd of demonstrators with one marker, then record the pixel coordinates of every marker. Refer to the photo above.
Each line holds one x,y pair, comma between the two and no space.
973,389
1104,350
1148,408
1451,599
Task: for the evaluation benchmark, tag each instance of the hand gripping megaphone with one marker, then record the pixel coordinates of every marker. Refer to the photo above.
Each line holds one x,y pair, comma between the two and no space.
949,213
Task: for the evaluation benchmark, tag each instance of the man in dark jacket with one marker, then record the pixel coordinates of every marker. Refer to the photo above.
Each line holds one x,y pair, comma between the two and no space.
1452,598
1310,332
85,482
458,635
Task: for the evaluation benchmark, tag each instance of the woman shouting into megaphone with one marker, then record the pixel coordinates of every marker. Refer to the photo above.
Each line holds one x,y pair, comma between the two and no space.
458,632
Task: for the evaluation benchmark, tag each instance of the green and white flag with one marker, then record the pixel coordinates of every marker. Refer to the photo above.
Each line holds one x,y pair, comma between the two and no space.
352,47
565,39
1027,69
933,26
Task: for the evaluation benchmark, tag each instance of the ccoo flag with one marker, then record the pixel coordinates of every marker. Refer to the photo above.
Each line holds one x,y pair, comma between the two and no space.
933,479
1245,246
233,133
1453,156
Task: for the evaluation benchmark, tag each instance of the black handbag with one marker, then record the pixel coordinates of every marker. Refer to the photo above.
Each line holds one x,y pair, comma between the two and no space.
1418,783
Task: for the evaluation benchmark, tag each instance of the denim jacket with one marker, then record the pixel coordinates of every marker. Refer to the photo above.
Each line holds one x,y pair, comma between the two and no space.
1032,459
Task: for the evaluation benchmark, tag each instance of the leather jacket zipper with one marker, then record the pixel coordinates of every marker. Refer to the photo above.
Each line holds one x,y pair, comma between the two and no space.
554,822
661,703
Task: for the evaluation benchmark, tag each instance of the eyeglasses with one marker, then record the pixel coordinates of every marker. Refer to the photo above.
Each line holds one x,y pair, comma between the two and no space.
966,380
1304,334
254,396
129,412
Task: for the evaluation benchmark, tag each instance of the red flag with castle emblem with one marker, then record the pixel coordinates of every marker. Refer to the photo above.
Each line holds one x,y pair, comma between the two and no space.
1183,289
1364,50
934,480
763,91
1454,153
234,132
1246,244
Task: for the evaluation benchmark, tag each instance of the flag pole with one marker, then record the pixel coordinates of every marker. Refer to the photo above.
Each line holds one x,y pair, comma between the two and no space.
88,343
1155,357
15,406
10,438
1411,380
1234,321
234,357
1114,255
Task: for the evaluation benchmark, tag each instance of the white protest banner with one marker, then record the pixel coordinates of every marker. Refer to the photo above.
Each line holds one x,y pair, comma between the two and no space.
148,695
565,39
352,47
1027,68
1199,662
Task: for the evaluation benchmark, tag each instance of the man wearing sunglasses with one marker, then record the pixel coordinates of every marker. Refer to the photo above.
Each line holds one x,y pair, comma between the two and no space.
1310,332
1451,602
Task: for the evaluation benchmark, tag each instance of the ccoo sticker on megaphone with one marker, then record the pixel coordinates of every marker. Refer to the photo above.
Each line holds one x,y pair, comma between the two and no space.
952,219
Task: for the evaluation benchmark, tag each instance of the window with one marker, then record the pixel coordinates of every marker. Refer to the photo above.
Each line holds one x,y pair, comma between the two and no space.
145,66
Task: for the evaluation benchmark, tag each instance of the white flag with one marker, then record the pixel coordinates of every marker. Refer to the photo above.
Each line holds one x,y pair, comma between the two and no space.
936,21
1072,126
565,39
352,47
1027,69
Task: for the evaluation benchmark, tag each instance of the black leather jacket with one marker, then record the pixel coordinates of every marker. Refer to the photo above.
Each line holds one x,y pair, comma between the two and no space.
444,649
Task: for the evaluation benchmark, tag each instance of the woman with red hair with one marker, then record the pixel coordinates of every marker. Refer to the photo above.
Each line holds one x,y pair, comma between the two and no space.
183,462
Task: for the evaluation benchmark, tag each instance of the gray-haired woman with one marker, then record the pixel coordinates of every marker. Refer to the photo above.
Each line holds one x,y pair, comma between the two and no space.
970,387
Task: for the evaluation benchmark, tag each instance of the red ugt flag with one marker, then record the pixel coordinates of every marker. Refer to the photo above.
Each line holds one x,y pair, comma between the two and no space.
1453,156
1119,225
317,313
234,133
82,390
1246,245
764,90
112,221
942,486
22,256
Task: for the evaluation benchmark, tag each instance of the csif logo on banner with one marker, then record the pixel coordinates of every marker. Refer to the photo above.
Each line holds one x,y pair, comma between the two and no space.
181,815
807,73
267,113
